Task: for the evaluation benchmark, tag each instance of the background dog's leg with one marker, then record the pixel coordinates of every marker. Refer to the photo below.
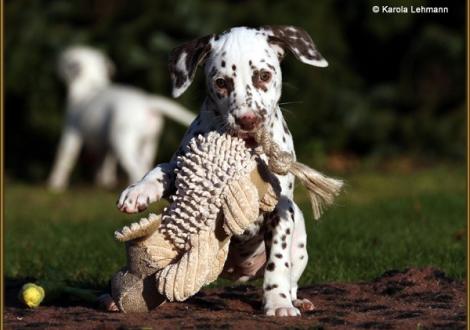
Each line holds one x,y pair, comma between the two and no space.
149,150
106,175
128,153
67,153
299,258
277,276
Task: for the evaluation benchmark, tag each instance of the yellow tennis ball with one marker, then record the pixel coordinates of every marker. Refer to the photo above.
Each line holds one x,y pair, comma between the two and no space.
31,295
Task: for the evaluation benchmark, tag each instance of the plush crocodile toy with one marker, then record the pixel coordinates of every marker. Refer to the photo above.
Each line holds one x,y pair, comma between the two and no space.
221,189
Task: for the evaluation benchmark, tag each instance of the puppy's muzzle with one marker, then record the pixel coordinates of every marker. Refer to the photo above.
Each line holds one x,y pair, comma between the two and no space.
248,122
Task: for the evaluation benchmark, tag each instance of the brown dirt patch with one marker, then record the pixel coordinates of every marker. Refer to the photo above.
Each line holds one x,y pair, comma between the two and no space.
411,299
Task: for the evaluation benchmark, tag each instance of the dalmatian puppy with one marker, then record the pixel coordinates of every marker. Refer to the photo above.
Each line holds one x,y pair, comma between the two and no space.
121,123
243,77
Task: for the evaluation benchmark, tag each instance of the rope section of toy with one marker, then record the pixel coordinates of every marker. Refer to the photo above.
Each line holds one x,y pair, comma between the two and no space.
321,189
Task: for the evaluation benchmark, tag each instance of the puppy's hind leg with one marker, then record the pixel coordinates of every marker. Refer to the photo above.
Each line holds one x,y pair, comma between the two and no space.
67,153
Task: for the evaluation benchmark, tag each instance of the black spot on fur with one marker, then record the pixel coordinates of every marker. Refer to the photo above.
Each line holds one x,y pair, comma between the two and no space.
223,64
287,231
286,264
284,126
284,245
302,257
283,295
270,287
270,267
278,255
301,245
234,67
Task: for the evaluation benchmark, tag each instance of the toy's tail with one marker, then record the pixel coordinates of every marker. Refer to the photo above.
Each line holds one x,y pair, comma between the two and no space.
322,189
172,110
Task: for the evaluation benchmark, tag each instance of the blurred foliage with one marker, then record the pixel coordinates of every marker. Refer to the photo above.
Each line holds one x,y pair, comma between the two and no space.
395,84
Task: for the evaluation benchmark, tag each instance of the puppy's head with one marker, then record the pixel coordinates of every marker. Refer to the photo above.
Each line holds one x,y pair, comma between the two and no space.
242,68
82,65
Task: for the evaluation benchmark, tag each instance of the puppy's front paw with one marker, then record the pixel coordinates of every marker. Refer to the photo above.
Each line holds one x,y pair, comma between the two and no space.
282,311
137,197
279,304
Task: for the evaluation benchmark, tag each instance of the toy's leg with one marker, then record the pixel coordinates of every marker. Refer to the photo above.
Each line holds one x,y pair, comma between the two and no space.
299,258
134,294
277,277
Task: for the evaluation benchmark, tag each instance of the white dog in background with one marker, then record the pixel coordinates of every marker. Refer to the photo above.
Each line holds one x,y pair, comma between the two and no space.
121,123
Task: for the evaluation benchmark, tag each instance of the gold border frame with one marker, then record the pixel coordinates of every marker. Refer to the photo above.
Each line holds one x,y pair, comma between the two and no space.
2,154
468,146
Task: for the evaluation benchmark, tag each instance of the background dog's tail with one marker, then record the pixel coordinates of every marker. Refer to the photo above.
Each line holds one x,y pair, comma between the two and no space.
171,109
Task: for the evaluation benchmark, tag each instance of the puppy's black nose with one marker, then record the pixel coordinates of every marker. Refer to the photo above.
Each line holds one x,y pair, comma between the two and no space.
248,121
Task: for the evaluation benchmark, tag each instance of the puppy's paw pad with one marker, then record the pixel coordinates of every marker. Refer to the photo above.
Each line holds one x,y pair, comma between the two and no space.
137,198
282,311
304,305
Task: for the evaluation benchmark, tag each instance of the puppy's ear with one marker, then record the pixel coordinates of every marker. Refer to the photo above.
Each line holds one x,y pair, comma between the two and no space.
297,41
184,61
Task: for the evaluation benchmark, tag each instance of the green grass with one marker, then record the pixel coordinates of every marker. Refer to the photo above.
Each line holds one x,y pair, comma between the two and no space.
382,221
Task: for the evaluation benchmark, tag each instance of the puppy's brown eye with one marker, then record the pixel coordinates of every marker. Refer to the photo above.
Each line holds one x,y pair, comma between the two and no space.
220,83
265,76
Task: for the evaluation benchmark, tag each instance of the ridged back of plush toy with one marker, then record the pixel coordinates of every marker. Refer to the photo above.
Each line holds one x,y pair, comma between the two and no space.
211,162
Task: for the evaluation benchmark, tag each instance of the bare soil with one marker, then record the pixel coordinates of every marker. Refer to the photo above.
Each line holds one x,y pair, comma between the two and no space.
411,299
